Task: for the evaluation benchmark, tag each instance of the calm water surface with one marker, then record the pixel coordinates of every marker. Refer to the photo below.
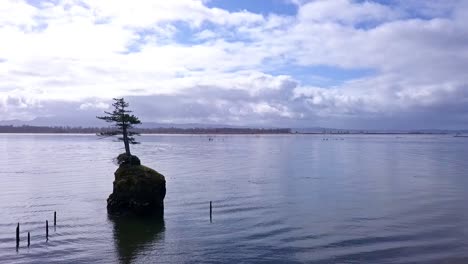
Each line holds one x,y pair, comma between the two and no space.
276,199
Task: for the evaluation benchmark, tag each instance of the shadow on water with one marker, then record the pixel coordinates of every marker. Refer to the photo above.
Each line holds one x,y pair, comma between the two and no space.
132,235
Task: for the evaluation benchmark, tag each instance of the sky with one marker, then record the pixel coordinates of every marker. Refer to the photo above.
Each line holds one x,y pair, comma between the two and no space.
387,64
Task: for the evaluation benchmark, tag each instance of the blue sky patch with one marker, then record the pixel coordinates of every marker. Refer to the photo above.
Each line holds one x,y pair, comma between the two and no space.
264,7
323,75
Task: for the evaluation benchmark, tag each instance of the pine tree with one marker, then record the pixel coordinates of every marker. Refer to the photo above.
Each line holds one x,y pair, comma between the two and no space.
123,123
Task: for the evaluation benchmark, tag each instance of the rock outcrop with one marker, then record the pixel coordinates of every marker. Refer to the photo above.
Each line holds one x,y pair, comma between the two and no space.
137,190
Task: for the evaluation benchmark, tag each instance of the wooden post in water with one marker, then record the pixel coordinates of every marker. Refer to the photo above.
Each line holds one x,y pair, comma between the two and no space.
29,239
55,218
211,211
17,235
47,229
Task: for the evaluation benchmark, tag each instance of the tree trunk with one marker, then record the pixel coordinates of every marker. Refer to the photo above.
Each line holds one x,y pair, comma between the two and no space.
125,139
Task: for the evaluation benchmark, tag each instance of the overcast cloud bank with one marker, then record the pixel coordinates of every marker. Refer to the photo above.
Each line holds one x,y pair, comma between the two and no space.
334,63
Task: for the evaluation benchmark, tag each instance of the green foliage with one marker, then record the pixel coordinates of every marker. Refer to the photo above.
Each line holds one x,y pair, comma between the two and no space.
123,121
139,172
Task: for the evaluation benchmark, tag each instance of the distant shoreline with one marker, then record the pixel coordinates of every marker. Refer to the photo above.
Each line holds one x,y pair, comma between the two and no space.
246,134
171,130
219,131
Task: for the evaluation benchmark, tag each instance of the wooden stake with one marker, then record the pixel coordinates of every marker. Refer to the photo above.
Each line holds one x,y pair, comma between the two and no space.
29,239
17,235
47,229
55,218
211,211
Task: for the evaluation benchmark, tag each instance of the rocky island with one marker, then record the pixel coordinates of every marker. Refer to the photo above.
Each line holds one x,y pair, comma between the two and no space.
137,189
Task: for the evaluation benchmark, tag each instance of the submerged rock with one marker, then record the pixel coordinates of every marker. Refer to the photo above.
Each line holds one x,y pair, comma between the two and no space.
137,190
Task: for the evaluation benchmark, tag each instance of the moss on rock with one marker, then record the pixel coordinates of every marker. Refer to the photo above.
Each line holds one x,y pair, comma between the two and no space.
137,190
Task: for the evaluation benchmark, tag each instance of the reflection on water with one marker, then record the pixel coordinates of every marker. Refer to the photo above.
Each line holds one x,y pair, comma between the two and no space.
134,235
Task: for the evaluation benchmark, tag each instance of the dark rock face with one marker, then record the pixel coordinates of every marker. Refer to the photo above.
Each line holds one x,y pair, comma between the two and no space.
124,159
137,190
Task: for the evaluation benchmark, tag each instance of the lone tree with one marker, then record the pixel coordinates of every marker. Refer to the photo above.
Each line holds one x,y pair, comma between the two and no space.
123,123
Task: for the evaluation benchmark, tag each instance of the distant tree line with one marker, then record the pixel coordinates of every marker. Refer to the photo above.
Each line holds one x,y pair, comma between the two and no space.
170,130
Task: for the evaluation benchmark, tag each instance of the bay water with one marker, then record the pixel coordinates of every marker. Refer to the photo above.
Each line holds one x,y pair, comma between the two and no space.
276,199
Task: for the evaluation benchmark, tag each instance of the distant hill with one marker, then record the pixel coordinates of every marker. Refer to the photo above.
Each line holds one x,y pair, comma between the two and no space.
53,122
70,122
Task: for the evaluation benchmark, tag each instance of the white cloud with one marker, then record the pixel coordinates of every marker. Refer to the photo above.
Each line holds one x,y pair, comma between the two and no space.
17,13
144,13
95,105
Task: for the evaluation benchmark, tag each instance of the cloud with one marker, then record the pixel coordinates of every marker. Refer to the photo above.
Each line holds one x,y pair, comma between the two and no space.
95,105
345,12
182,61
